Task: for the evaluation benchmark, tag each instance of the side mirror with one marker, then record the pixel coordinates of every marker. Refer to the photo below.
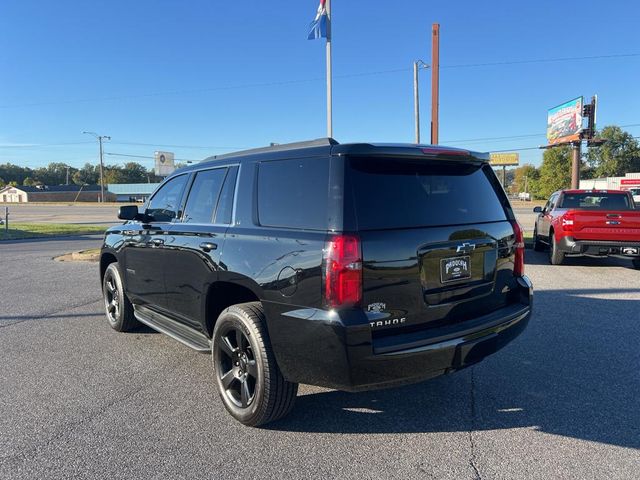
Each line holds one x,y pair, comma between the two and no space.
537,210
128,212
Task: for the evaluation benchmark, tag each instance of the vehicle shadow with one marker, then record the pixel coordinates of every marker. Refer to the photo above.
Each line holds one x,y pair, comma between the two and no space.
573,372
532,257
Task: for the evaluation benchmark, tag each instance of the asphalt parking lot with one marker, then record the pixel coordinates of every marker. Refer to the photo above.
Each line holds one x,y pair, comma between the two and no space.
78,400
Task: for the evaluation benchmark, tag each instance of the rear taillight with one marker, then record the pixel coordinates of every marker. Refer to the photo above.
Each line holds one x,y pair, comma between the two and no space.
567,221
518,262
342,271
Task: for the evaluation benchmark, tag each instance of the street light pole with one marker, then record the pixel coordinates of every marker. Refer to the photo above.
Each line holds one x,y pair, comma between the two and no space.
416,96
100,140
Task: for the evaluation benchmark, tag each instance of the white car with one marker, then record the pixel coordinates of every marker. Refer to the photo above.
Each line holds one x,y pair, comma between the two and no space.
636,195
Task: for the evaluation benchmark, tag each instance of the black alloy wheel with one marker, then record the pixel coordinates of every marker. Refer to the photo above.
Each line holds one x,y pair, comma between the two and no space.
249,381
236,367
117,306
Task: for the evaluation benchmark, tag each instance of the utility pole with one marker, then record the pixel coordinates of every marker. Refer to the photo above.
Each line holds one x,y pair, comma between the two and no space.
575,164
435,81
100,140
329,83
416,96
67,167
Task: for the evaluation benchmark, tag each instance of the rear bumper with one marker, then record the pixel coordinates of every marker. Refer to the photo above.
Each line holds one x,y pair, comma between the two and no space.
571,246
336,350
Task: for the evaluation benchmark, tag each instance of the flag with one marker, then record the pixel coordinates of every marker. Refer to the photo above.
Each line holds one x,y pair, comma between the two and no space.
319,28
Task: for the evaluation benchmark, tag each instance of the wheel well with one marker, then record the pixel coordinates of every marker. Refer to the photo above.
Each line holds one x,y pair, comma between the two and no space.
222,295
106,260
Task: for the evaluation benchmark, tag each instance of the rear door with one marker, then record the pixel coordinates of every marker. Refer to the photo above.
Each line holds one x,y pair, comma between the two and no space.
437,240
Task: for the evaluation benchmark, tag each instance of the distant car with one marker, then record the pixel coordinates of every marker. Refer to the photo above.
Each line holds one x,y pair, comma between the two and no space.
588,222
635,192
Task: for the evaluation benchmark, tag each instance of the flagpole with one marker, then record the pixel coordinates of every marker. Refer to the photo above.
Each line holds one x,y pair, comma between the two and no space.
329,85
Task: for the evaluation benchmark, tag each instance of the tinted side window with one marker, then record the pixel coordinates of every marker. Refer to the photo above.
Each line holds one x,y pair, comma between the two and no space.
203,196
406,193
165,204
294,193
225,203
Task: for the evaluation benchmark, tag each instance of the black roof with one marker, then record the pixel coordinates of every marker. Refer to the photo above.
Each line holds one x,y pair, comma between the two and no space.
58,188
324,146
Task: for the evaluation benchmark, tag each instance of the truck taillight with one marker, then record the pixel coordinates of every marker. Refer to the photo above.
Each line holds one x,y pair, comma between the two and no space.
342,271
518,262
567,221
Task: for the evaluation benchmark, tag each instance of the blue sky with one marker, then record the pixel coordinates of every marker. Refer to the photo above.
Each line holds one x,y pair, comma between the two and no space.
228,75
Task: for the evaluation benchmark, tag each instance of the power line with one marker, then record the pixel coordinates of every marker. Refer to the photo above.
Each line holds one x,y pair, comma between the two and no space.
542,60
310,80
146,157
212,147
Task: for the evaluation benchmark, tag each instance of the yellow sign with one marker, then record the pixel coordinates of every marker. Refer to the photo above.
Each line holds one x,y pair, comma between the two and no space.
504,159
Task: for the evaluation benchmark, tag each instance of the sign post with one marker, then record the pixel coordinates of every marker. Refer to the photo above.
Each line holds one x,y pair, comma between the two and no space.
504,160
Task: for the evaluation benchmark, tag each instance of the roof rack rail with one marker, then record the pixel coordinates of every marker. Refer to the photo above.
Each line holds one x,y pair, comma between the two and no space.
318,142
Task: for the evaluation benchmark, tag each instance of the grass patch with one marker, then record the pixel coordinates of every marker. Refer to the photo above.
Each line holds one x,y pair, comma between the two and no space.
18,231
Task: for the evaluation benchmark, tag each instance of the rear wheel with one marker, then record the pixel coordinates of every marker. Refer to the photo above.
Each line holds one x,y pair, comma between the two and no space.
249,381
538,246
556,257
116,304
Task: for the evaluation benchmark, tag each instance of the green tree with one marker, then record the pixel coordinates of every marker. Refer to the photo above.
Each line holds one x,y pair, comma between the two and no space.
555,172
620,153
133,172
524,176
87,175
113,174
15,173
2,183
53,174
29,182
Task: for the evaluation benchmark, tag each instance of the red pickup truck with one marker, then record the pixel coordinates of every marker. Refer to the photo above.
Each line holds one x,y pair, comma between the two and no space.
588,222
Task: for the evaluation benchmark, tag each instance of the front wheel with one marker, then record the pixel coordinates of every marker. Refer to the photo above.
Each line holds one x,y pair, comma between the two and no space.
116,304
249,381
556,257
538,246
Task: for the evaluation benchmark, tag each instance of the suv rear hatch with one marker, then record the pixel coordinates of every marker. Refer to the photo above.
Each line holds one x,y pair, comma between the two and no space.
438,240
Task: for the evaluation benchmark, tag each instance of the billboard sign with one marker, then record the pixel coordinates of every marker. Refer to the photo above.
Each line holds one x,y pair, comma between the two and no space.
564,122
164,164
504,159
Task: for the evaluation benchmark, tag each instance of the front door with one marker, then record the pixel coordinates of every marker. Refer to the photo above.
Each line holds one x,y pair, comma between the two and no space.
144,247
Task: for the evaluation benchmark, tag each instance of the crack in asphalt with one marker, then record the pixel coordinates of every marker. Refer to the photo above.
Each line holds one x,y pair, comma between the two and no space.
472,456
49,314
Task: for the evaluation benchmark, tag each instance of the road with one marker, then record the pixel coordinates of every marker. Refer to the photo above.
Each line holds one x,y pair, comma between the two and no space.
78,399
91,213
107,214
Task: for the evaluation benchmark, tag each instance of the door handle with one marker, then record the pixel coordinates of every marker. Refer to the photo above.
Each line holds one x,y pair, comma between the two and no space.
157,242
208,246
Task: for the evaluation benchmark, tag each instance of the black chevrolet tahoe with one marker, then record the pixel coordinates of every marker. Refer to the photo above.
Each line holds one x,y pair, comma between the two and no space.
349,266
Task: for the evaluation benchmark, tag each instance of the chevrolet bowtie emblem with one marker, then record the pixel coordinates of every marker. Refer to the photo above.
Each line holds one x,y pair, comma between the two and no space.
466,248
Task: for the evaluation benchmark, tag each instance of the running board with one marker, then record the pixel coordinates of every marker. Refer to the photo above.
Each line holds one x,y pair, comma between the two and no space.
178,331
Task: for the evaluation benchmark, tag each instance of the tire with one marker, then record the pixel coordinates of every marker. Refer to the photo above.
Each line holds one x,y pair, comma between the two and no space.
538,246
636,263
556,257
117,306
248,379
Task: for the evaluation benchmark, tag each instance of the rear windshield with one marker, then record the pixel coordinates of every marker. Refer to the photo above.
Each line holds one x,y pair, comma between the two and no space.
596,201
401,193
